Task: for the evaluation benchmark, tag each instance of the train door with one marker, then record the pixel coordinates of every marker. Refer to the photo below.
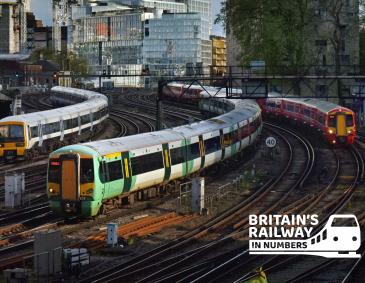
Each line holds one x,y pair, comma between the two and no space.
202,151
341,124
70,171
222,144
127,172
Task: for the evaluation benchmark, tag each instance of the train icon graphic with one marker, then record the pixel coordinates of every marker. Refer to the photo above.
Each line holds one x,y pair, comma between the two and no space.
339,238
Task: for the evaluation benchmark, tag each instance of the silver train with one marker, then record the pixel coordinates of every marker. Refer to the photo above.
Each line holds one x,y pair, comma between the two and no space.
23,136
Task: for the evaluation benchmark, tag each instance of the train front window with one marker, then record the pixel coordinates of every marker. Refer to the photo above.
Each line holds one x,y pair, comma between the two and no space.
11,133
86,171
349,121
332,121
344,222
54,171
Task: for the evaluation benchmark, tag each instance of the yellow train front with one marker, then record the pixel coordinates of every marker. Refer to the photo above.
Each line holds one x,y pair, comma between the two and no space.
13,142
341,126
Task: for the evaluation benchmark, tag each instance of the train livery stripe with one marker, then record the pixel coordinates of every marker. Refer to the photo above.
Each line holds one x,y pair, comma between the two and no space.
126,172
167,162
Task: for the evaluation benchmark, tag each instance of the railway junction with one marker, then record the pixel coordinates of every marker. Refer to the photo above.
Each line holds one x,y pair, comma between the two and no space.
120,188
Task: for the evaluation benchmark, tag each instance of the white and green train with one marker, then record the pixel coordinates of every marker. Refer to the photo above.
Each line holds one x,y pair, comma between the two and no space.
83,177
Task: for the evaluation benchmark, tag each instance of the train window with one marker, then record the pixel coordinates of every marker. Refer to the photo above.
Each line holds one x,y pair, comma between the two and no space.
85,119
313,241
54,166
318,238
331,121
212,145
146,163
343,222
114,170
349,121
306,112
193,151
290,107
86,171
74,123
177,155
67,124
34,132
324,234
10,133
320,119
297,108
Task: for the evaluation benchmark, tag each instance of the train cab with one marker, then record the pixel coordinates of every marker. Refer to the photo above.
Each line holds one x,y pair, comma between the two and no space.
341,126
71,184
12,140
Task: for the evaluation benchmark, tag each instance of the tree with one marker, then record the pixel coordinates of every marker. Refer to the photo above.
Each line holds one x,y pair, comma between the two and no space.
269,30
67,60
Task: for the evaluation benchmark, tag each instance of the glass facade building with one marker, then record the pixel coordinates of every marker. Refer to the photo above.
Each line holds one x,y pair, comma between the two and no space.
171,42
157,38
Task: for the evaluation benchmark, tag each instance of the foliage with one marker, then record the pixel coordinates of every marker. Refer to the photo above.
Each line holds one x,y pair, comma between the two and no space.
269,30
67,60
278,31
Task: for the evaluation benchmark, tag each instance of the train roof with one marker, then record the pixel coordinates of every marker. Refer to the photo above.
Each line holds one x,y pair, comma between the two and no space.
322,105
244,111
93,101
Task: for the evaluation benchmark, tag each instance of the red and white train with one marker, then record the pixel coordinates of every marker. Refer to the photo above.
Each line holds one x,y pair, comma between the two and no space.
336,123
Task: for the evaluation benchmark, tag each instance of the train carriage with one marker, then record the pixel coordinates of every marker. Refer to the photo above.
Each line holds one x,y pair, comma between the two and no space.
23,136
336,123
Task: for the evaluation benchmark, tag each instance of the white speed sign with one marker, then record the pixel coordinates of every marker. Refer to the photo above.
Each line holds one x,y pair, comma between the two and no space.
270,142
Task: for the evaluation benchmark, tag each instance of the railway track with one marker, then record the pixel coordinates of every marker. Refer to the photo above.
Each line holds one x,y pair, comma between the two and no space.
168,260
333,199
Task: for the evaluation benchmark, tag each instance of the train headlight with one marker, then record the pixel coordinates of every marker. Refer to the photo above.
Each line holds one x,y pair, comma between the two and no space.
89,191
330,131
335,239
349,132
354,238
51,191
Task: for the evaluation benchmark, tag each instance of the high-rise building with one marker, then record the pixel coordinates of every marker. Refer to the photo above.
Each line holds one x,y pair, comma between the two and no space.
219,56
140,37
13,28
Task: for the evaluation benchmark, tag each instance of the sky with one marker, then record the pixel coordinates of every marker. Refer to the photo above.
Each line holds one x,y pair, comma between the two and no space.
43,11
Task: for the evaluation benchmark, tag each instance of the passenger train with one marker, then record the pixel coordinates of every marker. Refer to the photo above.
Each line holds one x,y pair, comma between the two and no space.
24,136
336,123
84,177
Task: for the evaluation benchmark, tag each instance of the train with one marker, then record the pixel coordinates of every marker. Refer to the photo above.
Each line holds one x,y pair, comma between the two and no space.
335,123
84,178
25,136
